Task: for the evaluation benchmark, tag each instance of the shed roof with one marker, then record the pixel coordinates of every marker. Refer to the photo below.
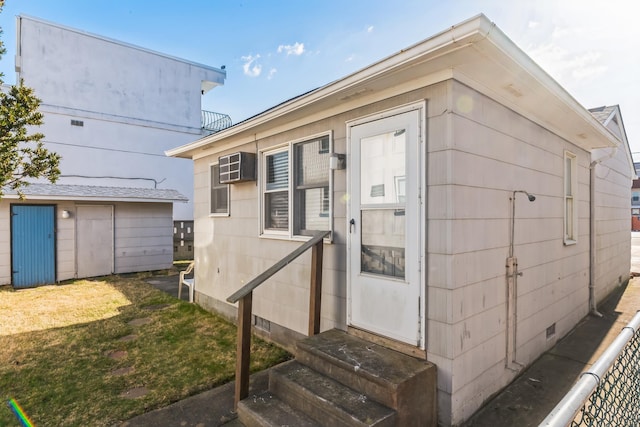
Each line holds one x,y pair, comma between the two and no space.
474,52
97,193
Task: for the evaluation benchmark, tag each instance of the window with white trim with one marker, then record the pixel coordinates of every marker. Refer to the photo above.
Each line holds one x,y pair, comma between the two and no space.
296,198
570,202
219,193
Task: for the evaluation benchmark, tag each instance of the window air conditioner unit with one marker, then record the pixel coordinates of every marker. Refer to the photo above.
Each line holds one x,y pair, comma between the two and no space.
237,167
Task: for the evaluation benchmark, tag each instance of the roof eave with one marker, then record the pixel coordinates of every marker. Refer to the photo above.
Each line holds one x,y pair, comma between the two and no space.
595,135
476,39
466,32
41,197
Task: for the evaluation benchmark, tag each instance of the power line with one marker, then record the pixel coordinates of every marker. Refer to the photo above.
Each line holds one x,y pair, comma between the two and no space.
155,181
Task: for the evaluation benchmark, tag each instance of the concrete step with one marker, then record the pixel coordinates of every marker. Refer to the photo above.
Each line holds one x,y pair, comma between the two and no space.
398,381
325,400
266,410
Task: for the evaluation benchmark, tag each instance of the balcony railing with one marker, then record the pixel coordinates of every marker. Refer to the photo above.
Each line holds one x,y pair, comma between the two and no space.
214,122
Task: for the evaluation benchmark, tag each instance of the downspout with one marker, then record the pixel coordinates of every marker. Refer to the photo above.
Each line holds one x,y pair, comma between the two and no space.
593,309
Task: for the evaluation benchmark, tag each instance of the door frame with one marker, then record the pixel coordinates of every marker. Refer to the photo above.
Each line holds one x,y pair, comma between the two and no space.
421,107
55,239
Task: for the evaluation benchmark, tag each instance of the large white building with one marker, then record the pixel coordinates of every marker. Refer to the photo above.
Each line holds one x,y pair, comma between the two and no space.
111,109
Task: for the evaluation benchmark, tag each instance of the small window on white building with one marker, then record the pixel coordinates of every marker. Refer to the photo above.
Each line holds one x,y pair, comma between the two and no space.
296,197
570,200
219,193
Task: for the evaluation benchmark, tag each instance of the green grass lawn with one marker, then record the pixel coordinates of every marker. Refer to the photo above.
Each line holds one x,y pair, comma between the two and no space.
70,356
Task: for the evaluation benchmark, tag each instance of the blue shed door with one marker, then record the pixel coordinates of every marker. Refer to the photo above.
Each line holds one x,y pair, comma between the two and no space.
32,245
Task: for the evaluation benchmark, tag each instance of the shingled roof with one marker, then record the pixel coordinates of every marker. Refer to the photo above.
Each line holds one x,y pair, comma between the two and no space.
97,193
602,113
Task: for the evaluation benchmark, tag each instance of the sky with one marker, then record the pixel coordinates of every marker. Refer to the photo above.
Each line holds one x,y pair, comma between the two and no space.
275,50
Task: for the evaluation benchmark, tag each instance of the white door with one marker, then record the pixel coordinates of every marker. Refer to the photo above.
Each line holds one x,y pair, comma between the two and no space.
385,228
94,237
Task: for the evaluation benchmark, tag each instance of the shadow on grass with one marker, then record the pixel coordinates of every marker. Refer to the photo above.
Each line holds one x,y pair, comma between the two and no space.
68,375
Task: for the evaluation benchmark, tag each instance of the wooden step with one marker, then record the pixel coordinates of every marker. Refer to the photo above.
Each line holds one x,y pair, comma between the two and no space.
266,410
325,400
398,381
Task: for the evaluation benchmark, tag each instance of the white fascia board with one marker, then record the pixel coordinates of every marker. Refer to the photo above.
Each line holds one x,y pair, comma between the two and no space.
467,32
347,105
503,43
481,36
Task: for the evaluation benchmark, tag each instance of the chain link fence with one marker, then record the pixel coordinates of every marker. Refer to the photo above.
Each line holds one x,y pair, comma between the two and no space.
609,393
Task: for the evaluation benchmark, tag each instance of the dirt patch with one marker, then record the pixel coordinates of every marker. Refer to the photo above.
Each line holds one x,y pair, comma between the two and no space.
128,338
122,371
140,322
116,354
134,393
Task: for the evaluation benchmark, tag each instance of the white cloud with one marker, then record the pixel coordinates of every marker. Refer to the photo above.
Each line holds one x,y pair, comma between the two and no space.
533,24
272,72
564,64
370,29
589,72
350,58
251,67
295,49
562,32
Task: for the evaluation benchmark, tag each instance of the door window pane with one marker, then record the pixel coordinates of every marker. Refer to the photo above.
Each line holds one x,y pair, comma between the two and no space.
383,242
382,163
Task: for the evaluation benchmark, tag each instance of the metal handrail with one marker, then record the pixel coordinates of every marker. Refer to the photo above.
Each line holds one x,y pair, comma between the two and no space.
566,410
244,298
262,277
